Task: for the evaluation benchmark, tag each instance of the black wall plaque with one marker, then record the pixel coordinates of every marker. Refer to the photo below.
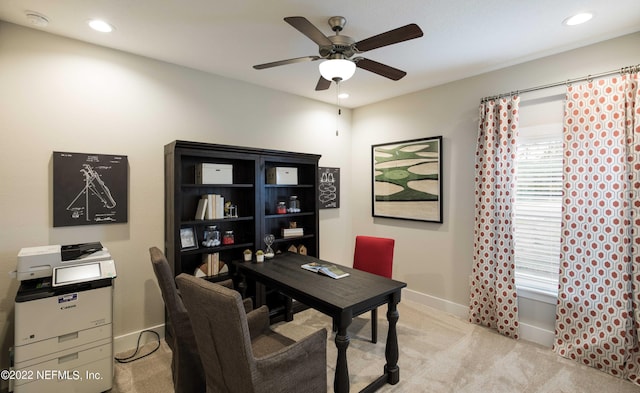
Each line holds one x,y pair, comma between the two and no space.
329,187
89,189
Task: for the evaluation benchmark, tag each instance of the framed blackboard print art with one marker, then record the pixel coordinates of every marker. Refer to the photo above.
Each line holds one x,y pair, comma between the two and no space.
328,187
89,189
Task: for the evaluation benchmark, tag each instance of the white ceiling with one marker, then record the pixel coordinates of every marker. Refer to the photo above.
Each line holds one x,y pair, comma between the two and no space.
461,38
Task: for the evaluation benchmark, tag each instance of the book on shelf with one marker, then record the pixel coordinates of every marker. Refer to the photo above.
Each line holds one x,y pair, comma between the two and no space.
201,211
214,206
292,232
327,270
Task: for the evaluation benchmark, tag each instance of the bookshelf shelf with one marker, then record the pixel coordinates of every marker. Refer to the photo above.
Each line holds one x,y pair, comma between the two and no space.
255,200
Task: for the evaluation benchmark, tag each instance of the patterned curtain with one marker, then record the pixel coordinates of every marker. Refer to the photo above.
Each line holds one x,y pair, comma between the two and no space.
493,300
598,314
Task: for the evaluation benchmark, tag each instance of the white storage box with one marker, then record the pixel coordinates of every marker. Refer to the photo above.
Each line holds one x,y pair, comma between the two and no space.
214,173
282,175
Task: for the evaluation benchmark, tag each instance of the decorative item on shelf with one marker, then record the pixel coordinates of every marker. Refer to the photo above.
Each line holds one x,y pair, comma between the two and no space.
292,248
211,236
207,173
228,238
294,204
293,230
211,266
282,175
302,250
281,208
247,255
268,240
188,239
259,256
230,211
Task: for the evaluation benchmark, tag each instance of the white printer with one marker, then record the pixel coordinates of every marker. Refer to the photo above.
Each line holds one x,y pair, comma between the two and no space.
63,319
40,262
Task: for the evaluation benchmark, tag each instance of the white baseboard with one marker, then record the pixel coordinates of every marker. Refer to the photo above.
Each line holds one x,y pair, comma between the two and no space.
527,332
128,342
537,335
450,307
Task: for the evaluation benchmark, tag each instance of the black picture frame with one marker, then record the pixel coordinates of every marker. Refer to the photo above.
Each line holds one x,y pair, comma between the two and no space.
406,179
188,239
328,188
89,189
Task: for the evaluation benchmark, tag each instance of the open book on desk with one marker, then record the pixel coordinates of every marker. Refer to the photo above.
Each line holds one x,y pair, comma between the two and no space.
328,270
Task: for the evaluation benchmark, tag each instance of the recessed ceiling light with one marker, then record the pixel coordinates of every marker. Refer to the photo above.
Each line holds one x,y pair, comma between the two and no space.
578,19
100,25
342,96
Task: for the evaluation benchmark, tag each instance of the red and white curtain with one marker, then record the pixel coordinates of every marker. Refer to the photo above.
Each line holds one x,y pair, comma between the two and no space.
493,300
598,310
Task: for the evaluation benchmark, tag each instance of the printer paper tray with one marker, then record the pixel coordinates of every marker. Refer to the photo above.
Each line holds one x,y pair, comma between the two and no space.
55,345
86,370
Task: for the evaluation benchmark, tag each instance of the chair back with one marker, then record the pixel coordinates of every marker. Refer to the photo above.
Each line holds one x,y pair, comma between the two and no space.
374,255
167,283
221,330
188,375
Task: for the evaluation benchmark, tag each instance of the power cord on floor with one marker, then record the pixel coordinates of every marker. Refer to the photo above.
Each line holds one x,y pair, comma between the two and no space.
130,359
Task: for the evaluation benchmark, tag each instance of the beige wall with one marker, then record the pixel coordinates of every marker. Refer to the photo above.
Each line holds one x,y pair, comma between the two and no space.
436,259
58,94
62,95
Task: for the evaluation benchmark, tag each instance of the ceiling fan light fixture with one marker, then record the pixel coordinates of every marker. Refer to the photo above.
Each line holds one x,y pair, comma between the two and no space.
337,69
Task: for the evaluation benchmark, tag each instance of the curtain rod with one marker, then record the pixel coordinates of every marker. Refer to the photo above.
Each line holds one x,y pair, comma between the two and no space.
623,70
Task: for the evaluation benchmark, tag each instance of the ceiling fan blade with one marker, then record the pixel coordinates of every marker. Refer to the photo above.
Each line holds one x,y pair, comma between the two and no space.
303,25
380,69
323,84
394,36
284,62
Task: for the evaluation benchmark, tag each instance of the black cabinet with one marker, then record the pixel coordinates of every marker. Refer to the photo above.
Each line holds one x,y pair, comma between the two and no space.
255,201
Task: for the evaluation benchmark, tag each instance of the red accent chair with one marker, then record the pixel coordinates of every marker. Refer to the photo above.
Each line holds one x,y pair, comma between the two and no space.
374,255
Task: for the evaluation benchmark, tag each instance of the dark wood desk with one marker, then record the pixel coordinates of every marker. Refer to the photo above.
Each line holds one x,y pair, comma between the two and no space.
341,299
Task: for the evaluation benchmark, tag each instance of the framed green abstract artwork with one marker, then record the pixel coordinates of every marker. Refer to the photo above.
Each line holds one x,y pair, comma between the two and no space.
407,179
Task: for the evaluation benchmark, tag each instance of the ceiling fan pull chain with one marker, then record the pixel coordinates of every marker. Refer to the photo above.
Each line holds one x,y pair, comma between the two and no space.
338,104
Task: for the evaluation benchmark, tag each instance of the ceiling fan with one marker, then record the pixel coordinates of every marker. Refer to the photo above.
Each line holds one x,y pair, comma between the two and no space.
338,50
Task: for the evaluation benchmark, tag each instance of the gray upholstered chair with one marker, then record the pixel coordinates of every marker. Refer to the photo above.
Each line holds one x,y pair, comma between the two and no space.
241,354
188,375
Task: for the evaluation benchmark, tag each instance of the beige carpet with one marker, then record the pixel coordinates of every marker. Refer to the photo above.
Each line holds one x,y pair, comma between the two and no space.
438,353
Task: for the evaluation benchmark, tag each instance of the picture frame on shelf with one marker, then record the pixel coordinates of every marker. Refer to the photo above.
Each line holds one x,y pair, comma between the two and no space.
407,179
188,239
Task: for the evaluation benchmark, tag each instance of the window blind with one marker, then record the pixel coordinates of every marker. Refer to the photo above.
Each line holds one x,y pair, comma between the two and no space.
538,207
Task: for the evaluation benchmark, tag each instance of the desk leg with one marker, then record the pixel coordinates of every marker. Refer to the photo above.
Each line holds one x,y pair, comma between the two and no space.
341,380
391,349
261,294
